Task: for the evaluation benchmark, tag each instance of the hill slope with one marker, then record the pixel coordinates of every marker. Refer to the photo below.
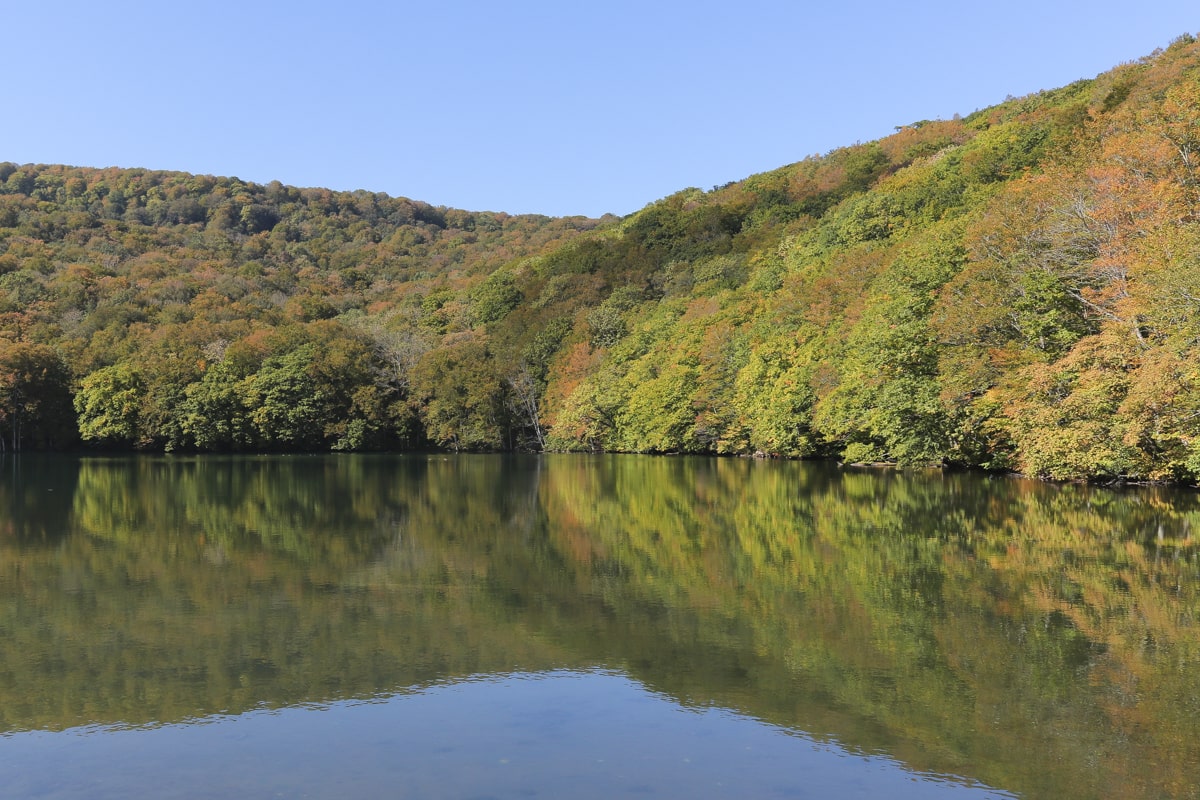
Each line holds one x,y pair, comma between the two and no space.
1014,290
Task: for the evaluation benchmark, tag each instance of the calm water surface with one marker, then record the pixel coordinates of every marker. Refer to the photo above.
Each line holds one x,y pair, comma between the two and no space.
470,627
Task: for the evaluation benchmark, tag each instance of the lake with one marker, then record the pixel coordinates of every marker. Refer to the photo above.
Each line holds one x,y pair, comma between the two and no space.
432,626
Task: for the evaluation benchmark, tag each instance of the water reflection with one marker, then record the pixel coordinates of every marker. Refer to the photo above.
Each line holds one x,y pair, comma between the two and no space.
1036,638
557,734
36,498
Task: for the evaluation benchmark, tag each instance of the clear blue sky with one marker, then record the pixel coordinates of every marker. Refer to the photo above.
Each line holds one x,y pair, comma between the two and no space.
526,106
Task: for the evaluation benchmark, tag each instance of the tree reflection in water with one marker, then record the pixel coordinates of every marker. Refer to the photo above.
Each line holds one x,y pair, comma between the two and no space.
1038,638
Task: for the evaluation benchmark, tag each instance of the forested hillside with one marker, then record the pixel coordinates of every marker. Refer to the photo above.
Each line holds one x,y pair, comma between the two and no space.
1016,289
160,310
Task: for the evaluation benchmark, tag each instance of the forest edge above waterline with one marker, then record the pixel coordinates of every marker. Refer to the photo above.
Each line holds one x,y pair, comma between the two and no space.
1013,290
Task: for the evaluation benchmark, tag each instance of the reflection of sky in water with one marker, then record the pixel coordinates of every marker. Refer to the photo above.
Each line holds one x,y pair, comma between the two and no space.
557,735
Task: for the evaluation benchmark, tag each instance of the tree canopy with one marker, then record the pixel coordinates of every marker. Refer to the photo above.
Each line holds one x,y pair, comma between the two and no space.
1015,289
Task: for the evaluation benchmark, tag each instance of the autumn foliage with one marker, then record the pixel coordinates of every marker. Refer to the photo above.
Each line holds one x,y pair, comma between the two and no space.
1016,289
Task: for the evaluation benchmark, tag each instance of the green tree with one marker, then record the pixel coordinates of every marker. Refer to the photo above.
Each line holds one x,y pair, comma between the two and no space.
214,414
286,403
495,297
109,405
35,398
458,394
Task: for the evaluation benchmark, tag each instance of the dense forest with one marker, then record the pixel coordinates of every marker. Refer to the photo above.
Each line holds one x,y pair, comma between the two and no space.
1015,289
